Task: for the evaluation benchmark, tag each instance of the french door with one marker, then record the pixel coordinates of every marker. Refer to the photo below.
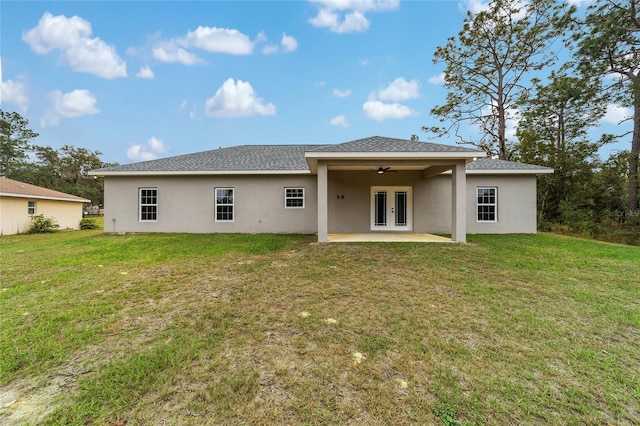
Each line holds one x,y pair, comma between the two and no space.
391,208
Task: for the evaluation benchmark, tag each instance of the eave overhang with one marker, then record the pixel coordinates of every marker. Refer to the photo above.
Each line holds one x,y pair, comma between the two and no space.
388,157
507,172
510,172
43,197
106,173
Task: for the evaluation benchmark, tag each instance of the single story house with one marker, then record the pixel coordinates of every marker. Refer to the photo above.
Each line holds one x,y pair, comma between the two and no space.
19,201
376,184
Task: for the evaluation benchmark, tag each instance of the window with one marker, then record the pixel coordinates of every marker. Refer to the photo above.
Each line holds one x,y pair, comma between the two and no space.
224,204
148,204
31,207
487,205
294,198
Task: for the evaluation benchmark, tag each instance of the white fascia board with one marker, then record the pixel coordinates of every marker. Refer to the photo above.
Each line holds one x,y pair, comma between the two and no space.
43,197
506,172
200,173
510,172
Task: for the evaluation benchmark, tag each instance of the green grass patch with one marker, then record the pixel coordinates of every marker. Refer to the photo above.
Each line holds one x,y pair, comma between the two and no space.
261,329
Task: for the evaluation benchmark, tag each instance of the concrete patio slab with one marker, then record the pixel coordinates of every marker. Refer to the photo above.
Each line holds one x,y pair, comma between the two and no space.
388,237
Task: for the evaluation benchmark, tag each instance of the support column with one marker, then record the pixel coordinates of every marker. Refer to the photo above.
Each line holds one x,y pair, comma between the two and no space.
323,198
459,202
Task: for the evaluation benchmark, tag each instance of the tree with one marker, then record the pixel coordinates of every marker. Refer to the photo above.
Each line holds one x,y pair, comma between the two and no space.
15,137
611,183
487,65
553,131
608,44
67,170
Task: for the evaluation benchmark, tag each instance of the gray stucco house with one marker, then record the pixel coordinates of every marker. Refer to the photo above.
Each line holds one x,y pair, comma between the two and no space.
376,184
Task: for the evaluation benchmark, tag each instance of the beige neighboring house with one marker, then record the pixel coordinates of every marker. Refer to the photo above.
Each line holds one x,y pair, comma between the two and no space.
371,185
19,201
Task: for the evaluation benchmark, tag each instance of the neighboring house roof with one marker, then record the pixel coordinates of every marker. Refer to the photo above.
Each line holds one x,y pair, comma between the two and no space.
301,159
15,188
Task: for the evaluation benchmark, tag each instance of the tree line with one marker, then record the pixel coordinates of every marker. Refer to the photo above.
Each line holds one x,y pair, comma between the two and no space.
552,70
65,169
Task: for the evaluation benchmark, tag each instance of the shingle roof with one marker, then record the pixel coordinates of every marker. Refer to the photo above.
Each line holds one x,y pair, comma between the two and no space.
493,164
383,144
15,188
291,158
234,159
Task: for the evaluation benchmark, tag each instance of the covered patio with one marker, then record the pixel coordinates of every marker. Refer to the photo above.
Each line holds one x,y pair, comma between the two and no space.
375,189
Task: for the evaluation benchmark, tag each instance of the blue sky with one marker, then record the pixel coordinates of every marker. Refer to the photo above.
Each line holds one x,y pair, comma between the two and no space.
151,79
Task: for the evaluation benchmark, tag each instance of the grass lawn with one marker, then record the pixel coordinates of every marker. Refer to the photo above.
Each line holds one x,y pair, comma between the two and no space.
180,329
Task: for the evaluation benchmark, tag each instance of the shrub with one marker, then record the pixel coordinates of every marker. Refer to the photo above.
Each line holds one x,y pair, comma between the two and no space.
40,224
88,223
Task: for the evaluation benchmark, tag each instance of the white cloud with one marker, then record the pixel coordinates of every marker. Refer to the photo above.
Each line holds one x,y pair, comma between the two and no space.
352,22
218,40
68,105
289,43
380,111
146,73
270,49
400,90
169,52
512,119
14,92
340,120
234,100
437,79
347,16
136,153
616,114
511,123
475,6
72,36
156,145
146,152
341,93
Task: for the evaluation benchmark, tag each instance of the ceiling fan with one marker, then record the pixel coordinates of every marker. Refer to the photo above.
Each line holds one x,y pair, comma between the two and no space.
382,170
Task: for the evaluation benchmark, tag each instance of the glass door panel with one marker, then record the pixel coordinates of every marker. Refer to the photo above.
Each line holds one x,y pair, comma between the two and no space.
401,208
380,201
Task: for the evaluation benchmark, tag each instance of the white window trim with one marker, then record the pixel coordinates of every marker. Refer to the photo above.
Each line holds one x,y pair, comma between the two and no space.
215,204
140,219
35,208
494,204
295,198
